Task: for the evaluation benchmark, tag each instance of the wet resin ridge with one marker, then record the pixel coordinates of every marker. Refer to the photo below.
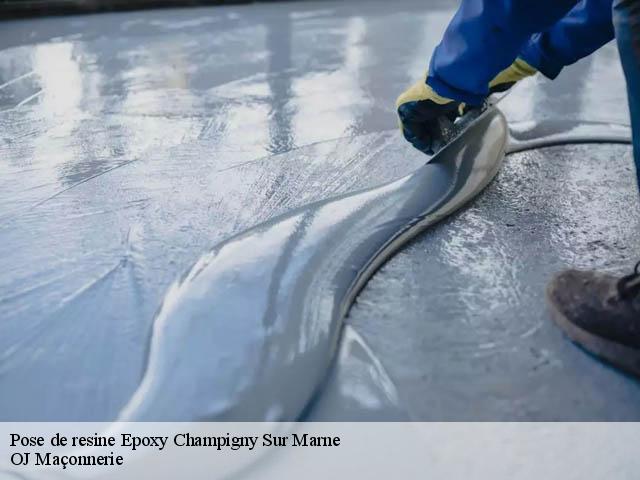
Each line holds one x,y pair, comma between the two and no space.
250,331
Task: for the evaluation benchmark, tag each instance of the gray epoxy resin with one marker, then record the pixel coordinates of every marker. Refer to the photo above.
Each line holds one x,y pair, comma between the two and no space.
249,332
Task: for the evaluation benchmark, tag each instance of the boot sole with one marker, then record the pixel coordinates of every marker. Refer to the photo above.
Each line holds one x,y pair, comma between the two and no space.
616,354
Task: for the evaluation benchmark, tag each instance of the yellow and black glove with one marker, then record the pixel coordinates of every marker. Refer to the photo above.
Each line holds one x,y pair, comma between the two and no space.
508,77
423,115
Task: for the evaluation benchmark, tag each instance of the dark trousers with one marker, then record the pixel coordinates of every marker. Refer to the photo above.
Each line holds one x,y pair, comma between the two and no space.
626,20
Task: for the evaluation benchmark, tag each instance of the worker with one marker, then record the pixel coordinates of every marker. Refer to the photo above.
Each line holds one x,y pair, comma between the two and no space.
489,46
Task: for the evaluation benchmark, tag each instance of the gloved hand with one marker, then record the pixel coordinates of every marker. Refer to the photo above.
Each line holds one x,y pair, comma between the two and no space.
424,115
508,77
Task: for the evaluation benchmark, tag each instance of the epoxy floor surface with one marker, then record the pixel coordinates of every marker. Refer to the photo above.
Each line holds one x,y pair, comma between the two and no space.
132,142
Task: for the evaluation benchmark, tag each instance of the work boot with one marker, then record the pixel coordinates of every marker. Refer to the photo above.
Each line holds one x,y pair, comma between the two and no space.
601,313
508,77
424,116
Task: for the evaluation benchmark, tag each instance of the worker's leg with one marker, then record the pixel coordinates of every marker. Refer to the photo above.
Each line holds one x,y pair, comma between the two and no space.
586,28
626,19
483,38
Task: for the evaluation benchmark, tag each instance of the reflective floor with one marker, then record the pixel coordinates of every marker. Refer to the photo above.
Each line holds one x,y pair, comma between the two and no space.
130,143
